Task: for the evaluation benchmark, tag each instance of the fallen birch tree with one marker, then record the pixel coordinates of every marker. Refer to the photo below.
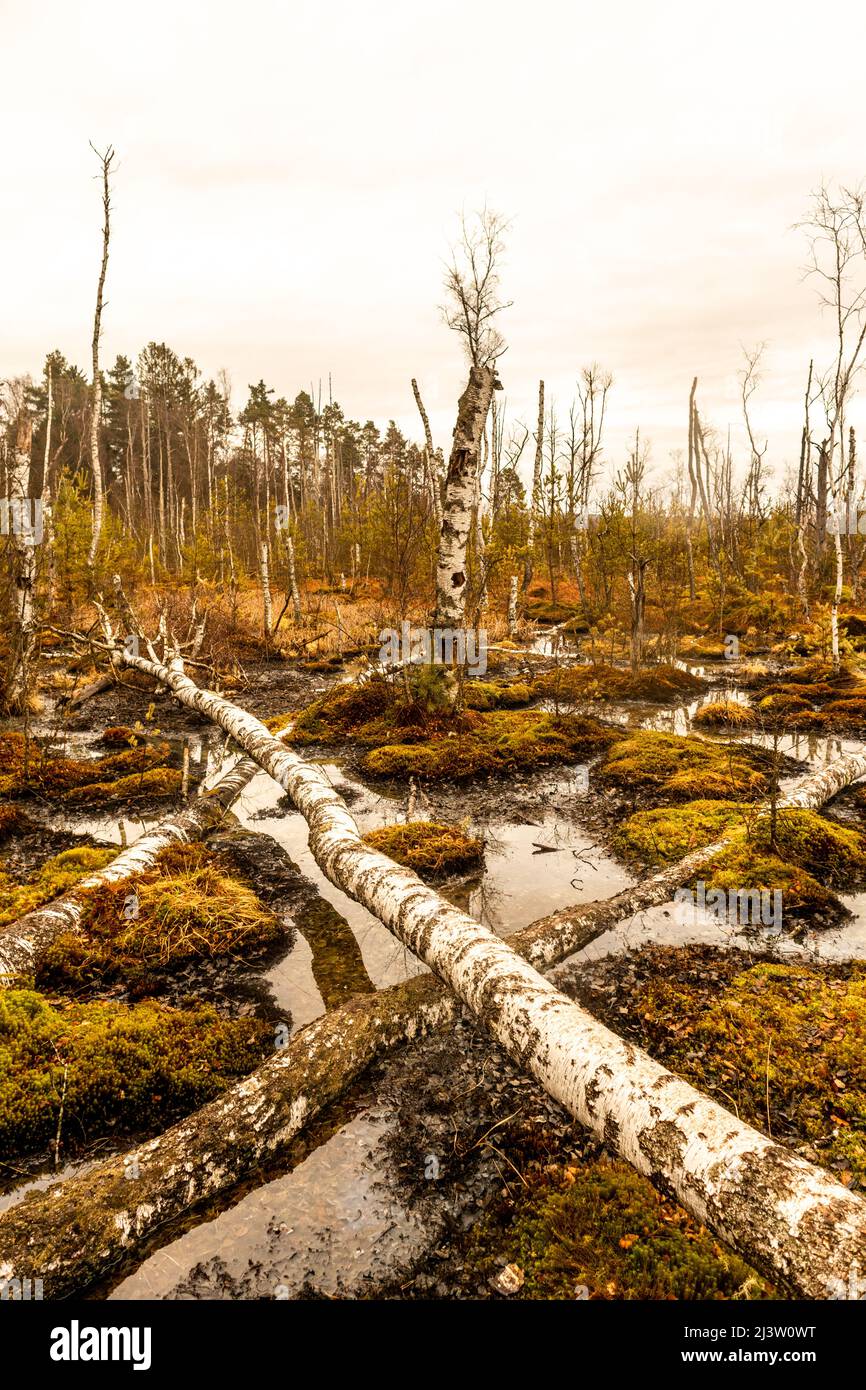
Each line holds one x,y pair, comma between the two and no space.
73,1230
788,1218
23,943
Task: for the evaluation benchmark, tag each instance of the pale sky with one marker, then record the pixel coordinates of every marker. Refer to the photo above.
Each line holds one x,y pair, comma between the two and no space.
289,178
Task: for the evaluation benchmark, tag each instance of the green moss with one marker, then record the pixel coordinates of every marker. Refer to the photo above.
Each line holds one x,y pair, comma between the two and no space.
785,1039
674,768
730,714
784,706
600,1231
602,682
154,784
429,847
668,833
182,910
364,711
493,742
111,1068
834,853
741,868
486,695
56,876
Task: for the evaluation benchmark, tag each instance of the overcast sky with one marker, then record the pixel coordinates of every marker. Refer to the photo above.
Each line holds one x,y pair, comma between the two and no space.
289,178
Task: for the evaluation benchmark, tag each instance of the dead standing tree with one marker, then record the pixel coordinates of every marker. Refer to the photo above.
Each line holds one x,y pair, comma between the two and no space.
22,527
105,161
836,229
472,304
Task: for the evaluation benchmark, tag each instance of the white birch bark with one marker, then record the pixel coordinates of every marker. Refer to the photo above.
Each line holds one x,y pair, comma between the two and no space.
21,524
267,602
23,943
430,466
293,580
96,391
512,606
785,1216
460,484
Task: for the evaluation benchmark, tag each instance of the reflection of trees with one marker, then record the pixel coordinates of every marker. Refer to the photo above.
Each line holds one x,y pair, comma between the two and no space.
337,965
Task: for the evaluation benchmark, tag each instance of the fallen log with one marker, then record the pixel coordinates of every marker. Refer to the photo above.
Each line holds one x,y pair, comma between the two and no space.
552,938
786,1217
23,943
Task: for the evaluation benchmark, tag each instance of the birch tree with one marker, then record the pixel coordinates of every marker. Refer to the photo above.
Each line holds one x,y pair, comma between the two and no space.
21,523
473,302
106,159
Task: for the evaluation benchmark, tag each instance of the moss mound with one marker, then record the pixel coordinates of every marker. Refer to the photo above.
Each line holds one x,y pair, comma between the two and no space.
603,682
600,1231
429,847
805,900
668,833
485,695
135,774
112,1069
55,877
118,736
493,742
184,909
729,714
674,768
833,852
785,1039
366,711
12,821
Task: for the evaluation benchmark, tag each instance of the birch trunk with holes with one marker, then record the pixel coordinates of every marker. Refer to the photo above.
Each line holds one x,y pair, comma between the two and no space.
788,1218
21,522
460,487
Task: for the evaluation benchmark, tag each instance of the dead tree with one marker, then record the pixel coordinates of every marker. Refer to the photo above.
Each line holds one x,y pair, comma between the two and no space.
105,161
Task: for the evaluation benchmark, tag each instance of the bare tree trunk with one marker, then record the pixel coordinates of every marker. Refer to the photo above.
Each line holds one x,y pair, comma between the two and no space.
293,580
48,501
535,498
430,467
837,595
460,496
22,523
96,394
512,605
267,601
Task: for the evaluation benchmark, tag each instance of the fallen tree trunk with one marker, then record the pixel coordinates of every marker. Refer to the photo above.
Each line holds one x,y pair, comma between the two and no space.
23,943
551,939
788,1218
72,1230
